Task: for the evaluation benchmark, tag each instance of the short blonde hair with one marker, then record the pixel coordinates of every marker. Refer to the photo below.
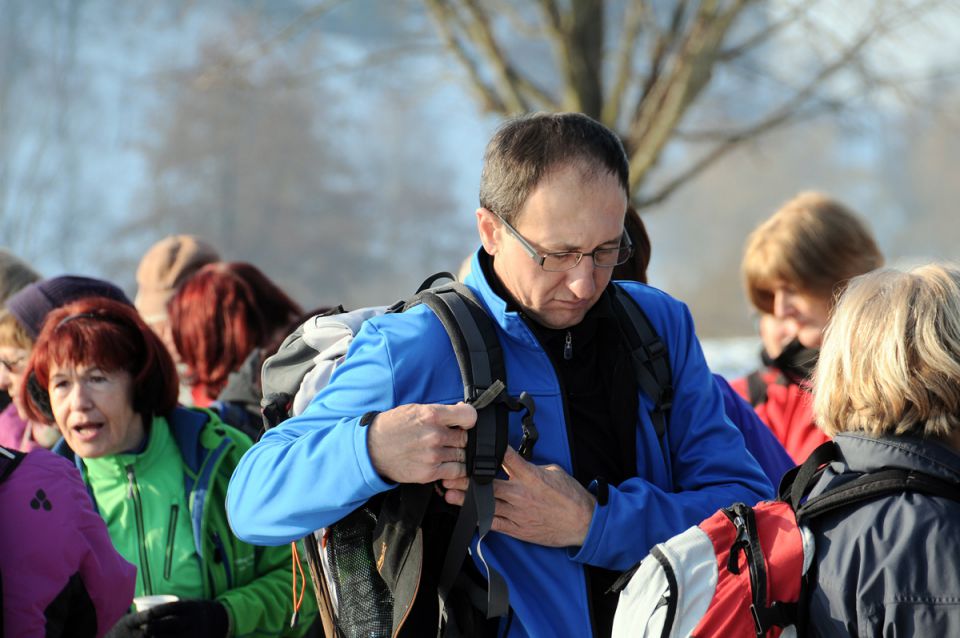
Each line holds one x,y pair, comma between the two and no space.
890,359
813,243
12,332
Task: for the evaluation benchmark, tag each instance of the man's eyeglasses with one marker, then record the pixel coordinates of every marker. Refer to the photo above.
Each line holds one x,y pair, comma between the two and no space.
568,260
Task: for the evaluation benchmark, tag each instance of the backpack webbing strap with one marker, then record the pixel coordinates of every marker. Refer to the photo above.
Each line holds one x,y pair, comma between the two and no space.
9,460
651,363
748,541
480,359
756,388
796,482
874,484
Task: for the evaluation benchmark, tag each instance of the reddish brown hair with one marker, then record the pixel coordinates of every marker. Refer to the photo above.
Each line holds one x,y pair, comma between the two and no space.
110,335
220,314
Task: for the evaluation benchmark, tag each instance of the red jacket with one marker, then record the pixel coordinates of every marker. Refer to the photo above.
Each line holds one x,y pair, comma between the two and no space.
786,408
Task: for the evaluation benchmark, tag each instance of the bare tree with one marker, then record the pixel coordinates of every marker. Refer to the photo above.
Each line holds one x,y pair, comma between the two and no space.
647,69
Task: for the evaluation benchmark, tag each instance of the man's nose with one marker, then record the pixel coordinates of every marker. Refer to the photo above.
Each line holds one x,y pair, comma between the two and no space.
580,278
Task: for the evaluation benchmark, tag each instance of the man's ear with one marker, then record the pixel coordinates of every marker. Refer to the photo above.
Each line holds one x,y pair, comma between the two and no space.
489,228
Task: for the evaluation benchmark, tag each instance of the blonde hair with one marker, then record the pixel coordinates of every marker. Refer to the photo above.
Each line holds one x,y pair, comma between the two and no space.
813,243
12,332
890,359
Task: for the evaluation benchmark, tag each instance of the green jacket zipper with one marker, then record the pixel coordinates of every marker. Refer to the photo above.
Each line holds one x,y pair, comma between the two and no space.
134,495
171,534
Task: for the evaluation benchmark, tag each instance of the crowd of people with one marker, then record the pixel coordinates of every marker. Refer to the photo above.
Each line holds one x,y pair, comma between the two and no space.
144,498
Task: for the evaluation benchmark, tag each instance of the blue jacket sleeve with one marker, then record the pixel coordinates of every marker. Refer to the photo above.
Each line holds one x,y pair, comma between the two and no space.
761,443
278,492
710,467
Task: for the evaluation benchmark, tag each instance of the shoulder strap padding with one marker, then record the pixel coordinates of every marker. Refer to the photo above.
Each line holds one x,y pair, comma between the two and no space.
797,483
651,361
9,460
756,388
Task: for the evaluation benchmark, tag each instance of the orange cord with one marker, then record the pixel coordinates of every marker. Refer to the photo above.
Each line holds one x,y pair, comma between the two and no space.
297,602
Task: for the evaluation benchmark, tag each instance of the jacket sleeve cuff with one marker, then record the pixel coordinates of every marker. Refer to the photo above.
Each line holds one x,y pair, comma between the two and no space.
587,552
231,627
362,453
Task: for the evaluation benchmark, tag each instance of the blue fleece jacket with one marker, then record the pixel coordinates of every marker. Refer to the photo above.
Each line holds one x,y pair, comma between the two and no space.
315,468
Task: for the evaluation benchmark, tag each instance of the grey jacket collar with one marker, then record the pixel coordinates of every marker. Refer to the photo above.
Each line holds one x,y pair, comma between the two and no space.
864,453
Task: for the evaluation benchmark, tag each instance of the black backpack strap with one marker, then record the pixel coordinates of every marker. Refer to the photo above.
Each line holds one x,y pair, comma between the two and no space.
796,482
756,388
874,484
9,460
480,358
651,362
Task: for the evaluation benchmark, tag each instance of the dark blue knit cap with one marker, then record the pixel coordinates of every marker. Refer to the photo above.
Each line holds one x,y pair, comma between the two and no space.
31,305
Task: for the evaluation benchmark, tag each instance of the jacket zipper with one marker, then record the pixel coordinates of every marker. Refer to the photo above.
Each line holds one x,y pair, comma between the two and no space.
567,348
219,551
171,534
134,494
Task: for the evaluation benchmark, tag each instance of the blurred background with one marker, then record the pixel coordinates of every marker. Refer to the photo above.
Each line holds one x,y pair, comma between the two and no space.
338,144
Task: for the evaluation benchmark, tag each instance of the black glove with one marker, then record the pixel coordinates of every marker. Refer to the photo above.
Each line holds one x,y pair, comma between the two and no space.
186,618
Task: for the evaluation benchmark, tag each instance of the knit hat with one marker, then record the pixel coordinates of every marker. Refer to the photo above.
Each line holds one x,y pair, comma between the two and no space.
164,267
31,305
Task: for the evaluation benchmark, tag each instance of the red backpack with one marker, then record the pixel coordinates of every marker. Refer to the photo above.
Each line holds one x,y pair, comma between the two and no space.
741,571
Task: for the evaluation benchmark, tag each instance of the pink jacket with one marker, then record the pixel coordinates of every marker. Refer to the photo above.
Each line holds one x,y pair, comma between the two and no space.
57,556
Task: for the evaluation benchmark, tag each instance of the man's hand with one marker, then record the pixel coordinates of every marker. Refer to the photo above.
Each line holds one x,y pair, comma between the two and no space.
421,443
540,504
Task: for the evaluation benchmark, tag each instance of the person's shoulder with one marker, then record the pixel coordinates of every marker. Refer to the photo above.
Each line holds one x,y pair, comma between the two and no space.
48,481
666,313
42,460
650,297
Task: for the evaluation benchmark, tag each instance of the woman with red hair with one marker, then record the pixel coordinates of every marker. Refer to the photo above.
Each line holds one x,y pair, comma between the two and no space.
158,475
222,317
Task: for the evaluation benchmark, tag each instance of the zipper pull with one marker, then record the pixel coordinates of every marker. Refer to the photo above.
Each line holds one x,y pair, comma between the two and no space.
130,480
568,346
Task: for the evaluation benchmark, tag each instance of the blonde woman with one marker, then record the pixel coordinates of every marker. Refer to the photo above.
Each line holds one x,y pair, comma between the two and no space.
887,387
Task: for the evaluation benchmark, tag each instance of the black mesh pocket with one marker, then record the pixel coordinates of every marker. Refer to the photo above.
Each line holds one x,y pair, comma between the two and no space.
365,605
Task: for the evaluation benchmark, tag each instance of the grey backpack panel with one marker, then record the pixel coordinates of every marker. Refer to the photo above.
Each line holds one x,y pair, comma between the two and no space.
306,359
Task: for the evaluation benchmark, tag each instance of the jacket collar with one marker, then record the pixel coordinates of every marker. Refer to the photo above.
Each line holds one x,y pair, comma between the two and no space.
185,426
862,453
505,311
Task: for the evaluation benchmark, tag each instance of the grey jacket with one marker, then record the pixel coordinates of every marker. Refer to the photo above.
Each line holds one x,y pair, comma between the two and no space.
891,566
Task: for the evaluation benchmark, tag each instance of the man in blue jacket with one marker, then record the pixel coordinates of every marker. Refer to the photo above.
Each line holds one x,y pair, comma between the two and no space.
599,491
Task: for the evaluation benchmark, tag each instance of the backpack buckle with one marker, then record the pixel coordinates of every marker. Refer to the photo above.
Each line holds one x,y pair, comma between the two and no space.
530,433
484,469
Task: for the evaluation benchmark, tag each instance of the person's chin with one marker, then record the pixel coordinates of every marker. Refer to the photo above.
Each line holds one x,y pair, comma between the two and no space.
810,338
565,316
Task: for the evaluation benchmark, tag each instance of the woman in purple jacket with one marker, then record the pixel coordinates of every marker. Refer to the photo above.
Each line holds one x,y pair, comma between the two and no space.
59,573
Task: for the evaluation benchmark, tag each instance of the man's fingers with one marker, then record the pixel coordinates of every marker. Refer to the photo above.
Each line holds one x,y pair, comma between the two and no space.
455,497
462,415
456,484
514,464
447,471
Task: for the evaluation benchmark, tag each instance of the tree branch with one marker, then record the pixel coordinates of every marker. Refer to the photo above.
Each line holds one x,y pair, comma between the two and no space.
672,94
624,70
445,17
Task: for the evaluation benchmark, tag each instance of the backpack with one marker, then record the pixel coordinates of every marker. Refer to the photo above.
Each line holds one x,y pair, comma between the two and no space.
742,571
368,568
9,460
